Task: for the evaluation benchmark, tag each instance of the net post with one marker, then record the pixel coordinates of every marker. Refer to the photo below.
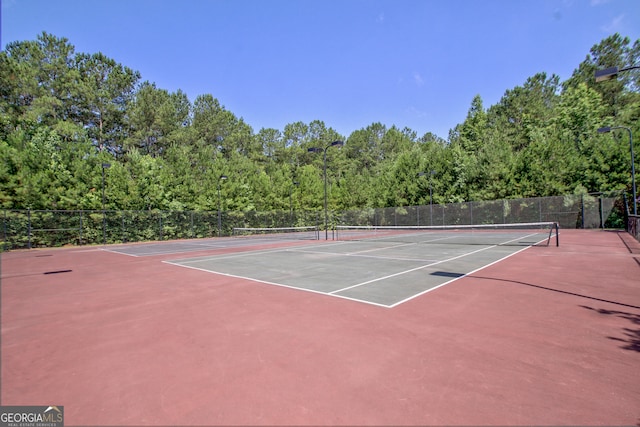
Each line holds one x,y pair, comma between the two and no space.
553,229
557,230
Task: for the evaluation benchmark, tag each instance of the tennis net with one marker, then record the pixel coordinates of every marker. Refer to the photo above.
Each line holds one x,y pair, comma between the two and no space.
295,233
520,234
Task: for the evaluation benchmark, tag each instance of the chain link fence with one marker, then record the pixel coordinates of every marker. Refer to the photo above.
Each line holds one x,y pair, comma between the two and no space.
50,228
571,211
25,229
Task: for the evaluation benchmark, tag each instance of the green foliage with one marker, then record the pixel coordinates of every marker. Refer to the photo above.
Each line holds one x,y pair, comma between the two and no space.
64,114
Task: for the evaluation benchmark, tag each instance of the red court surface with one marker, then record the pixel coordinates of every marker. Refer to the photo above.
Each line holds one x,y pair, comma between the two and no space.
549,336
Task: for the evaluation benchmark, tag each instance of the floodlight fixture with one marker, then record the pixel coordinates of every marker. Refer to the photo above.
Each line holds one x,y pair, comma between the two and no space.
611,73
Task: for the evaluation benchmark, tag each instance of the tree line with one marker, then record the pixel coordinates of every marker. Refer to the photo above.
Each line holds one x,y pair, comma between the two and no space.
64,116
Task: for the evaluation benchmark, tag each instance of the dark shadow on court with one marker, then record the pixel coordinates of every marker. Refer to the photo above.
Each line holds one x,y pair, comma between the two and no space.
631,340
632,336
631,244
447,274
556,290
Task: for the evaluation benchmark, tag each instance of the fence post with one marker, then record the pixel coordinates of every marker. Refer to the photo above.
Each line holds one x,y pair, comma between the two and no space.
4,228
601,213
540,209
104,227
504,211
626,211
626,205
29,228
582,211
81,228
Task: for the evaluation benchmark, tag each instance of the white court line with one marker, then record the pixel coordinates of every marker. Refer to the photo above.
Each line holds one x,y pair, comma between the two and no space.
287,249
276,284
388,238
191,247
234,255
410,270
143,254
381,249
358,255
333,293
458,278
253,252
427,265
118,252
210,245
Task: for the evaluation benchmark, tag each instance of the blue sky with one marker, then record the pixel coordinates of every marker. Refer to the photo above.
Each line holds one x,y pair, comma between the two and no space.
349,63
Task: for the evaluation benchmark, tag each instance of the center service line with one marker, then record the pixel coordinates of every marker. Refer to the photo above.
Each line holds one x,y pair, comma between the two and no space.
424,266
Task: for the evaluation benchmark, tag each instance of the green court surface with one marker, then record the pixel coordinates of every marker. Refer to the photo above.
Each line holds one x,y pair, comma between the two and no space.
377,272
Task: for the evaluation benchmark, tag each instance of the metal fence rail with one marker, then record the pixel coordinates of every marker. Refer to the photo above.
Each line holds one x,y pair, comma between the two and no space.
23,229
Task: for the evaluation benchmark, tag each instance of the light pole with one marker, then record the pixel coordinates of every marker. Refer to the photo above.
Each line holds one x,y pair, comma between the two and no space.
608,129
318,150
431,173
222,178
104,218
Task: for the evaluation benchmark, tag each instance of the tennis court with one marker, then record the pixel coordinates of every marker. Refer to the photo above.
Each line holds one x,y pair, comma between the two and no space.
358,331
273,236
384,266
